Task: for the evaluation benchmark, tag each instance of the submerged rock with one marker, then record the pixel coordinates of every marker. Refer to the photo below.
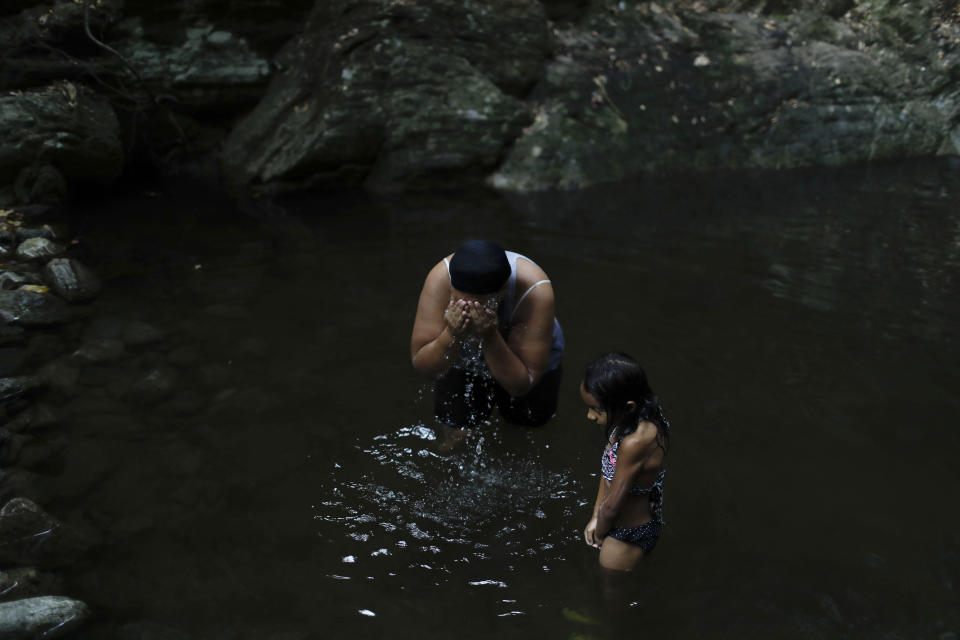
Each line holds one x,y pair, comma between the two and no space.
72,280
33,309
73,130
29,536
41,617
14,387
25,582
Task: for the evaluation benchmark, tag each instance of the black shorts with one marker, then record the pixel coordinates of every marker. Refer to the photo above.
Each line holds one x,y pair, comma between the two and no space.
464,399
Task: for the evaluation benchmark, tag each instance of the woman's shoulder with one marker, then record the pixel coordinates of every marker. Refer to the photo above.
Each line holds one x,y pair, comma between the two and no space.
529,272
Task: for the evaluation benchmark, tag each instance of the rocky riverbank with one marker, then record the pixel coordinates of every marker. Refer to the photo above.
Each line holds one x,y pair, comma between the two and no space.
43,291
396,95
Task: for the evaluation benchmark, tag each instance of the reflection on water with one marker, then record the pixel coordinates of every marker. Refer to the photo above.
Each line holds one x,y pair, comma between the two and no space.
800,328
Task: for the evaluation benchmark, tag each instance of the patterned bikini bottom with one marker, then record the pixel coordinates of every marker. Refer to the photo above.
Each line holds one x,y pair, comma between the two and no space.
644,536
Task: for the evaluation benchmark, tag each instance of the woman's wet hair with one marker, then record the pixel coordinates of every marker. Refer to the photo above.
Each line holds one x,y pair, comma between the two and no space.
615,379
479,267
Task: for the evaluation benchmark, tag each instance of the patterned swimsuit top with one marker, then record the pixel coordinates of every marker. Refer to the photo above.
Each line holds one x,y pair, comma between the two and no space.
608,465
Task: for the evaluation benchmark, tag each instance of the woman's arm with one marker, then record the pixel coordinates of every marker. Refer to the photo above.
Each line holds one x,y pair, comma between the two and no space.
519,362
432,342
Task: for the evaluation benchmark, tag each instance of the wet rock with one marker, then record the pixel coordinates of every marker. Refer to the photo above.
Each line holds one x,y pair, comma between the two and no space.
24,274
138,333
41,183
41,617
73,129
29,536
26,582
21,483
38,249
72,280
15,387
647,91
33,309
46,231
100,351
203,68
36,417
394,96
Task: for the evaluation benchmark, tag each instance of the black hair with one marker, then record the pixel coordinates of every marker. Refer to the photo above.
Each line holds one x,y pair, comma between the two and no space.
615,379
479,267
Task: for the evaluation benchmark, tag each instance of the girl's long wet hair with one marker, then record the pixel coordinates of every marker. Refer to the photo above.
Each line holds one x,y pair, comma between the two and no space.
614,380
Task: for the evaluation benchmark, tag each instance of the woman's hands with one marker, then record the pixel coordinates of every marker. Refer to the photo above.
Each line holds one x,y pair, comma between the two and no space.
483,318
590,534
456,317
470,317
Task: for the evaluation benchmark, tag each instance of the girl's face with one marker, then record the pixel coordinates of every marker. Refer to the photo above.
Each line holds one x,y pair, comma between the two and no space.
594,412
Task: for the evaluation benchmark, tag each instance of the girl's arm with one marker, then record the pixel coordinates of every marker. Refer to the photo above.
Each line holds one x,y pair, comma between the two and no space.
631,459
590,532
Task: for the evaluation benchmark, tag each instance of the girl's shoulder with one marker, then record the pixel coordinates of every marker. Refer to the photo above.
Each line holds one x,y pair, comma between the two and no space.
641,442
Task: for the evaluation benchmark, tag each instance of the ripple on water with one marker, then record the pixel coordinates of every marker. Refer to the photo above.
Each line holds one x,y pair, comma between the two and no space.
399,499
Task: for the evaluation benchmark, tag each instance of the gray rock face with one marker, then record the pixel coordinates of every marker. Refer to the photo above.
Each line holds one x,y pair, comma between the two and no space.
394,94
405,95
72,280
66,127
207,69
41,617
646,89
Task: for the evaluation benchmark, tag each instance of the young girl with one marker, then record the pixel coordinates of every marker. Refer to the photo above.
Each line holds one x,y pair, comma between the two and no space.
627,516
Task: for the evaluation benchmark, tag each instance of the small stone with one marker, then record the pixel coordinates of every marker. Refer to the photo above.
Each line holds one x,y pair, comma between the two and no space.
72,280
38,248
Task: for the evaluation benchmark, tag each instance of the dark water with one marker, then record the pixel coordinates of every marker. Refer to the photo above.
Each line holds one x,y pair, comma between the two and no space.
801,330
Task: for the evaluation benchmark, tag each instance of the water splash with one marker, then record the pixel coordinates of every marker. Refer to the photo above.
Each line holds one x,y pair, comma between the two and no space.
401,501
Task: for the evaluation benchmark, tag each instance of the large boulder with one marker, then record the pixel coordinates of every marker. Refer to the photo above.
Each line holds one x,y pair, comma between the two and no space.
62,131
394,94
640,88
